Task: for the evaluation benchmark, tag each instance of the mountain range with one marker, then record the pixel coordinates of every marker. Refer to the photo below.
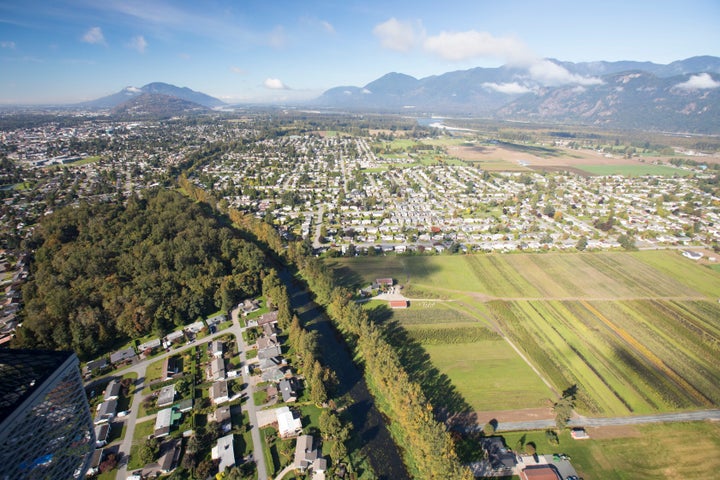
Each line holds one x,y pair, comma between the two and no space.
683,96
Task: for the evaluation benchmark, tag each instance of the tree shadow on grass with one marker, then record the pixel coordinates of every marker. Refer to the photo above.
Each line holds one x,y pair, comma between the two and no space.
449,406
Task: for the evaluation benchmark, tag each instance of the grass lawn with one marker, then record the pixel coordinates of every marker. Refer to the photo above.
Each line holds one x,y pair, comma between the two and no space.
154,372
635,170
142,431
660,451
490,375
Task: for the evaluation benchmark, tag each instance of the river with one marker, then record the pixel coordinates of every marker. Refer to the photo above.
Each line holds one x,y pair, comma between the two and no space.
368,425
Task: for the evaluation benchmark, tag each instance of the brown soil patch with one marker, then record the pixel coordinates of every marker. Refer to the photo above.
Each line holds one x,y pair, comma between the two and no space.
521,415
615,431
567,159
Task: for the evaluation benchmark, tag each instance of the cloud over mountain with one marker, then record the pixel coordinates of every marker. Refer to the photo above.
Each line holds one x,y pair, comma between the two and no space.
699,82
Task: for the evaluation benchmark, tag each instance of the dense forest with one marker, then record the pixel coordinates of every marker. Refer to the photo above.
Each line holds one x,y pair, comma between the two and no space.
107,272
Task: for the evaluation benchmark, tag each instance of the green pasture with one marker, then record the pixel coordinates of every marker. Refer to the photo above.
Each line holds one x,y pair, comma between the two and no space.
646,452
634,170
602,275
489,375
636,332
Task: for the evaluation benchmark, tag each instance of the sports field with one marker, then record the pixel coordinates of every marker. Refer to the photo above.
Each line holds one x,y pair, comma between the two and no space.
636,332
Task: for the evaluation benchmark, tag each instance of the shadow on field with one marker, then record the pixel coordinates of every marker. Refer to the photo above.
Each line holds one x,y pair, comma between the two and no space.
448,404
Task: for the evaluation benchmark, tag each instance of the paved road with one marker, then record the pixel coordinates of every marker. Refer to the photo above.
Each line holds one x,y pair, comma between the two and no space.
581,421
250,403
140,368
318,225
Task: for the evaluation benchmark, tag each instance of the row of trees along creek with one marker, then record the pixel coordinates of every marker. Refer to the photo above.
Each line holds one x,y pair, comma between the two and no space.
427,445
428,448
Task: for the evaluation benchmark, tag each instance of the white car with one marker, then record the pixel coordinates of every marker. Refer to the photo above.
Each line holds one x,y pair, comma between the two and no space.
124,413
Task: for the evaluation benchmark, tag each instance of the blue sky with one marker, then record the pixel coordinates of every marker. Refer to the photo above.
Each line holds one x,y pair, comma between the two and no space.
246,50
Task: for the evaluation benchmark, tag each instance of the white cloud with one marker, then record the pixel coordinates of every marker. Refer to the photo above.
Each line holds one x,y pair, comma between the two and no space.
94,36
551,74
327,26
509,88
238,70
473,44
7,44
399,36
138,43
701,81
275,84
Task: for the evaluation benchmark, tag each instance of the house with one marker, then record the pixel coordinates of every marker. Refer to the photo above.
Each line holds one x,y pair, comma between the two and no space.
305,454
266,342
167,461
270,329
269,352
272,375
216,348
112,391
692,255
219,392
288,425
95,461
150,345
579,434
501,458
173,337
171,367
384,282
249,306
106,412
96,365
540,472
225,452
270,317
222,416
195,328
217,369
102,432
288,390
165,420
166,397
184,406
216,320
398,304
121,356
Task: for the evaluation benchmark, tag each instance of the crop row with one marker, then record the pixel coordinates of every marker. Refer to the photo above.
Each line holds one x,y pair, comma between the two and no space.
626,357
451,335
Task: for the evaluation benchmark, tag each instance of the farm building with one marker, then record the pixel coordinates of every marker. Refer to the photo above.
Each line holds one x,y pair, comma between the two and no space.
384,282
399,304
540,472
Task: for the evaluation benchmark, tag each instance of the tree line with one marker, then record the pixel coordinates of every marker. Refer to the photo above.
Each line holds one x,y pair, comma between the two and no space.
427,445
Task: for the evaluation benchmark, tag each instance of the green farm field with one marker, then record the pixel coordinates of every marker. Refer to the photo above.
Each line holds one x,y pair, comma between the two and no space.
634,170
636,332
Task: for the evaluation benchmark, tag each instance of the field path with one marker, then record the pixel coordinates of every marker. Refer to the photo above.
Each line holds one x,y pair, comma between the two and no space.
695,416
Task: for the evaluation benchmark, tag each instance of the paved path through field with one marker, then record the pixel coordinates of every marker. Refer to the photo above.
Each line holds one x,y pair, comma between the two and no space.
580,421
